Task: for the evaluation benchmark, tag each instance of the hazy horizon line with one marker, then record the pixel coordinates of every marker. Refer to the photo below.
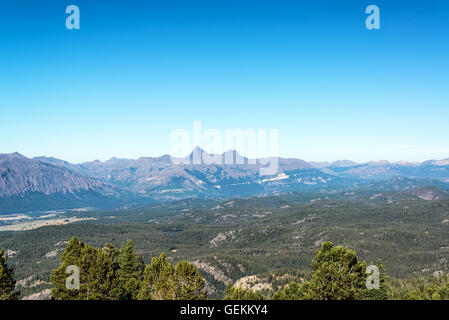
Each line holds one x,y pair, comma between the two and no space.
106,159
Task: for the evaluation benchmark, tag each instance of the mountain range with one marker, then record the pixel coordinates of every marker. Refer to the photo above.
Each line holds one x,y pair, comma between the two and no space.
46,183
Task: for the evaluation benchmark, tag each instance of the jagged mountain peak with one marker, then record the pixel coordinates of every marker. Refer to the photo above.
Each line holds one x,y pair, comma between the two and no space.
201,173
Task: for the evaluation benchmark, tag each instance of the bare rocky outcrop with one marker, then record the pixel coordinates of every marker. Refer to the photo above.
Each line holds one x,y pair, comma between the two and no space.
42,295
253,283
216,273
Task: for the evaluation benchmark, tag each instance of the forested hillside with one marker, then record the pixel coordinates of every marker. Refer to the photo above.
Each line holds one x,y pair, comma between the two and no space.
259,243
109,273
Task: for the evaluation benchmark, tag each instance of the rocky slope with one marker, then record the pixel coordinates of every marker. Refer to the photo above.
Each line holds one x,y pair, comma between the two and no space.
20,176
200,174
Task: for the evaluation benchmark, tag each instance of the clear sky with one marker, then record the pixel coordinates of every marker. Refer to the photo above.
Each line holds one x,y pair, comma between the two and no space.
137,70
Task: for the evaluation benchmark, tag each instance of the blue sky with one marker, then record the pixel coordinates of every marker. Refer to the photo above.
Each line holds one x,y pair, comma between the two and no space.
137,70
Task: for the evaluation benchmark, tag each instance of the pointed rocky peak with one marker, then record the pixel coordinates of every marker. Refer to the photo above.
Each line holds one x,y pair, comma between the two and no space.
197,155
197,150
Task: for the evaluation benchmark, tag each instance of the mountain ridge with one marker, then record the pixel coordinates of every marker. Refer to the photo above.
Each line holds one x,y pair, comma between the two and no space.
201,174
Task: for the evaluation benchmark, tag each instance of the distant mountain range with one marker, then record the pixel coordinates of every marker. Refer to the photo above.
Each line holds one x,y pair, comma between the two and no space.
45,183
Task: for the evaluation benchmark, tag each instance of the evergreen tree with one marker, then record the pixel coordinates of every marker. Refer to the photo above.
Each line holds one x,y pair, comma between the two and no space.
163,281
158,282
337,275
382,292
189,282
99,280
130,272
109,273
7,282
98,272
293,291
232,293
72,255
431,291
442,293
